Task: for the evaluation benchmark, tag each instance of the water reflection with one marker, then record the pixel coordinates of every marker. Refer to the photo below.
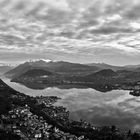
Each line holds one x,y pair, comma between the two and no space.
112,108
41,86
38,86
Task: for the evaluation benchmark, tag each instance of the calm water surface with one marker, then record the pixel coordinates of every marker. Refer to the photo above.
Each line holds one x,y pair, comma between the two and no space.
112,108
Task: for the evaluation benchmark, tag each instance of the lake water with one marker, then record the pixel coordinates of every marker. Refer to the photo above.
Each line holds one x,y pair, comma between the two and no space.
111,108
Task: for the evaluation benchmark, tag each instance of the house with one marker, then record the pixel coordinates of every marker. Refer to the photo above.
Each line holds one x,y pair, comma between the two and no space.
39,135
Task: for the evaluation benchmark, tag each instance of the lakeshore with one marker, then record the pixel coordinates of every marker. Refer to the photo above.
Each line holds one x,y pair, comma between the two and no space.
101,107
40,118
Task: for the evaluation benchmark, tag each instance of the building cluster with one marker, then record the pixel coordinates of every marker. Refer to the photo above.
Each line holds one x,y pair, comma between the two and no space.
47,101
57,113
131,86
28,126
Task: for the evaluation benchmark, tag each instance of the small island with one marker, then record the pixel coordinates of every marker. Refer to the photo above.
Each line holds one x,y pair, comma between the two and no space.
135,93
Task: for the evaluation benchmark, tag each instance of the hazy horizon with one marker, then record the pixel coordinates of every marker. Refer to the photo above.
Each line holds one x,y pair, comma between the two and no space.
78,31
33,60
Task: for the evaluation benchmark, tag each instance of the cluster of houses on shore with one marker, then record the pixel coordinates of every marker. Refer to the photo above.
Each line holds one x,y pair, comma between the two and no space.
31,127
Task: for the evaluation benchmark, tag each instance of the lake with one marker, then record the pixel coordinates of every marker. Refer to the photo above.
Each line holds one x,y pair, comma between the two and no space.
111,108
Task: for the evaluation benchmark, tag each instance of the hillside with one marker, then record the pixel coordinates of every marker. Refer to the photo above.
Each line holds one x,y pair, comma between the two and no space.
106,66
116,68
104,73
36,73
4,69
103,77
6,94
137,69
22,68
67,67
33,77
5,90
59,67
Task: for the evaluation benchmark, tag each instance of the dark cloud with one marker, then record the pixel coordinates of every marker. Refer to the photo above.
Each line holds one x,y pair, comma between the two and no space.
11,40
4,3
58,17
111,30
34,11
20,6
117,6
133,13
67,34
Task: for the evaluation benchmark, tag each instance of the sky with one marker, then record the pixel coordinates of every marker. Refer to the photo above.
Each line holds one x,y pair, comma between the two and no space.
79,31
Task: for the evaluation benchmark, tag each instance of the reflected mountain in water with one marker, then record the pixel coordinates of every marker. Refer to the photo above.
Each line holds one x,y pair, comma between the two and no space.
40,86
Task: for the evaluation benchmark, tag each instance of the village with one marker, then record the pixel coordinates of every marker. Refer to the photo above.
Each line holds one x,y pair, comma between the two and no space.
28,126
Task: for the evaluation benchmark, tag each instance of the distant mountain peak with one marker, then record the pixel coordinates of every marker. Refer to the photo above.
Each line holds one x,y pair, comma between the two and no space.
39,60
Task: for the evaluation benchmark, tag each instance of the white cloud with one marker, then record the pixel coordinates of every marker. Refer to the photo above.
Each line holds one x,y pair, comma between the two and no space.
135,25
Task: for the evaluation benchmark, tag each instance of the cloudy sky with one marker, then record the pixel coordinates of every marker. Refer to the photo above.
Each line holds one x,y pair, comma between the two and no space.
71,30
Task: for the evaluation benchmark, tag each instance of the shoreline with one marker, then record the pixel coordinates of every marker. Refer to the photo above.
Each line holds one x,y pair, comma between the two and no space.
102,125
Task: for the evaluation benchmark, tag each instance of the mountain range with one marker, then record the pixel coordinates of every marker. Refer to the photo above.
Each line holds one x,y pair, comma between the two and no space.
63,67
60,72
60,67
